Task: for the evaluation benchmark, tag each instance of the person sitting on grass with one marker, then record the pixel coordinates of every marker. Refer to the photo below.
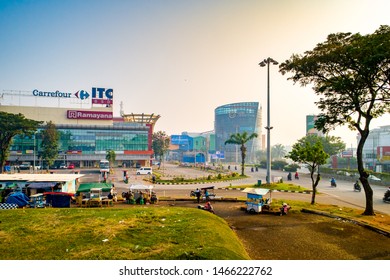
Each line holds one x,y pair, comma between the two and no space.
284,209
208,207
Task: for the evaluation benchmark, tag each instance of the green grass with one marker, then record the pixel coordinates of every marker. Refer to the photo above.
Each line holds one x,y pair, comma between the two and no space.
160,233
274,186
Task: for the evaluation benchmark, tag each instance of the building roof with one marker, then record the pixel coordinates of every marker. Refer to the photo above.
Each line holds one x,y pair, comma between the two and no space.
40,177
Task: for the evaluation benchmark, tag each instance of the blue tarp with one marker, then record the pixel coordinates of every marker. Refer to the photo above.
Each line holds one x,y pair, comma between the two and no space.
18,198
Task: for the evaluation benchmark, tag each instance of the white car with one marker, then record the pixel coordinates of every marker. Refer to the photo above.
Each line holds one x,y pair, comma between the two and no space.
374,178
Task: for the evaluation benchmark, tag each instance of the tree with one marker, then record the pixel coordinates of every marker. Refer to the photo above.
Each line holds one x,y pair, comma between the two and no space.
50,145
311,154
351,74
332,145
10,126
241,139
160,144
278,151
111,156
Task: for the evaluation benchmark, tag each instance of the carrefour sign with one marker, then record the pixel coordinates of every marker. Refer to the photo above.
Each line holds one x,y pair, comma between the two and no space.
56,93
98,95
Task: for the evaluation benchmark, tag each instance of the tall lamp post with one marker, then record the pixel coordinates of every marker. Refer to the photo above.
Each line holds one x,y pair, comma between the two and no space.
267,62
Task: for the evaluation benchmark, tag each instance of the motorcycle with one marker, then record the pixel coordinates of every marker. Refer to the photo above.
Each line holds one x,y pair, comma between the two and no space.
357,187
386,197
333,183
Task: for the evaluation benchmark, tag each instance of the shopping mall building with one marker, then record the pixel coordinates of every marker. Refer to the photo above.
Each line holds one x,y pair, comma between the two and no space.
86,126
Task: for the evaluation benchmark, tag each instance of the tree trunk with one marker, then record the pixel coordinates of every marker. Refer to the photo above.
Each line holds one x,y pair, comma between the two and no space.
369,211
314,185
243,154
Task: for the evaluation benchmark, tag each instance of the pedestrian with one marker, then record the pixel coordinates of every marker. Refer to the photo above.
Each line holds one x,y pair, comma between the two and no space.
197,193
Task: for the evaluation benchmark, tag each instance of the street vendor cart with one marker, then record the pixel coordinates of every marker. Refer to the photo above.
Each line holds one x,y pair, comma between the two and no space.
257,201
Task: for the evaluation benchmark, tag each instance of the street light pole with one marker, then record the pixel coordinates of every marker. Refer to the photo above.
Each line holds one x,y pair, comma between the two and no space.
267,62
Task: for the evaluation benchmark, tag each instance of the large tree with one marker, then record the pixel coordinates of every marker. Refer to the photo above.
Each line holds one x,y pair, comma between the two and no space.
311,153
351,74
241,140
50,143
10,126
160,144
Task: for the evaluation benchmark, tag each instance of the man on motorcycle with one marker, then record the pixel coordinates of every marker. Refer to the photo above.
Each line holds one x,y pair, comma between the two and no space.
333,182
356,186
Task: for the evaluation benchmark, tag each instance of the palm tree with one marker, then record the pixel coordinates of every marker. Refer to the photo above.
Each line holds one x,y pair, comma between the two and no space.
111,156
278,151
241,139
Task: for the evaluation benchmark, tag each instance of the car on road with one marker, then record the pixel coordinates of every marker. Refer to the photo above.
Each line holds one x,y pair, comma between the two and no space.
374,178
71,166
25,166
145,171
62,166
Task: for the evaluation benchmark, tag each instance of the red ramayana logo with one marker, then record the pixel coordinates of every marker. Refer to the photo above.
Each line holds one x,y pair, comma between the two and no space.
89,115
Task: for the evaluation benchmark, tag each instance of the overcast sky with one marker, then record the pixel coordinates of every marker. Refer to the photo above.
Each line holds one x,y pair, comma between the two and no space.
178,59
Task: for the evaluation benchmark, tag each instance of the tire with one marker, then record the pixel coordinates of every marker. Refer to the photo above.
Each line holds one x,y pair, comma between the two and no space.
252,211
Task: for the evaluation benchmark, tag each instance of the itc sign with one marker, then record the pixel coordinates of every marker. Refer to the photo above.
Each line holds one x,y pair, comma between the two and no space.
102,96
89,115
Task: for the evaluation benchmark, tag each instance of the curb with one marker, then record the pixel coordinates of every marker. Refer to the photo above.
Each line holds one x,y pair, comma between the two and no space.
363,224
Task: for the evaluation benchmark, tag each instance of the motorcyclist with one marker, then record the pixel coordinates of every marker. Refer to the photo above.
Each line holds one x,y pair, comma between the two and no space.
356,186
333,182
386,197
289,176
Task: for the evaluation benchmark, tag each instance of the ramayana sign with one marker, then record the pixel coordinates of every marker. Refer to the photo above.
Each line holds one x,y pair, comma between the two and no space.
89,115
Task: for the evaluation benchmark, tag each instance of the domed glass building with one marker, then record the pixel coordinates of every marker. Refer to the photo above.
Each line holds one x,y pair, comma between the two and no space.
237,118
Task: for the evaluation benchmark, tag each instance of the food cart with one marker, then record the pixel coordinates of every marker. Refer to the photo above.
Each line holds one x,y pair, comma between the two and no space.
95,197
256,201
37,201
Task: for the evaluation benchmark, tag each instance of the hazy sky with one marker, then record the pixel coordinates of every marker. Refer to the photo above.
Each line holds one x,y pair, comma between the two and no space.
179,59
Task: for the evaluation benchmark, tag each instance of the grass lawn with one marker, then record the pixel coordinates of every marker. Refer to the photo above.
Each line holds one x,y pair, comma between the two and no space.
157,233
274,186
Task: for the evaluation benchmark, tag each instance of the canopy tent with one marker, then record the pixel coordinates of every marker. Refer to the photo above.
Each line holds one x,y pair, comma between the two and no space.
18,198
45,185
9,185
258,191
86,187
67,181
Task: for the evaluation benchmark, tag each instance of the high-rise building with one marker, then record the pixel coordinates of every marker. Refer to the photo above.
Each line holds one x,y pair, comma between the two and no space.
237,118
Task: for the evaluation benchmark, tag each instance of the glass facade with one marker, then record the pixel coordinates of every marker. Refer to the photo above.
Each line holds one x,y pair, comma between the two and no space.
88,142
237,118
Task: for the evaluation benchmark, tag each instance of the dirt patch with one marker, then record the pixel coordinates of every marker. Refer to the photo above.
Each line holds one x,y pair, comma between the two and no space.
301,236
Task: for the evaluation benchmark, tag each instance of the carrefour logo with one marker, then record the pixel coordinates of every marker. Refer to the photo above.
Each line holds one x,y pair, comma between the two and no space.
99,95
82,94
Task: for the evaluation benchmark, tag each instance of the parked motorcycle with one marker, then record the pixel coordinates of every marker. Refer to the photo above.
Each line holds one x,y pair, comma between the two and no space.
357,187
386,197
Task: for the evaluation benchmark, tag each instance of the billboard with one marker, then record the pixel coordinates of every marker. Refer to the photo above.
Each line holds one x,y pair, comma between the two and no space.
383,153
310,125
38,97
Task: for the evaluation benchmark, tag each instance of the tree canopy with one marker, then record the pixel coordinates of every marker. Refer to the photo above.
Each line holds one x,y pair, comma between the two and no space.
10,126
351,74
160,144
311,153
50,145
241,139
